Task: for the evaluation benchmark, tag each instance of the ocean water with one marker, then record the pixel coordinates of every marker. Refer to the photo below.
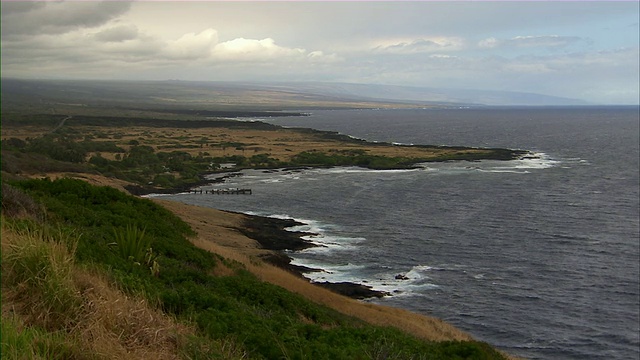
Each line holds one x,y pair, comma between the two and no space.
539,257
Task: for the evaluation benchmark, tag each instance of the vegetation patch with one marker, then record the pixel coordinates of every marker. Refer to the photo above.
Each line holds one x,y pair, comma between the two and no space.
150,157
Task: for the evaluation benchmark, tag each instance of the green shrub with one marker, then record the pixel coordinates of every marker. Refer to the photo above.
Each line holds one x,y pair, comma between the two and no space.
132,244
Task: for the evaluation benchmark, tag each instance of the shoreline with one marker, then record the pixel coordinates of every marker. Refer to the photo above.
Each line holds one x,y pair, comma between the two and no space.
272,234
220,232
499,155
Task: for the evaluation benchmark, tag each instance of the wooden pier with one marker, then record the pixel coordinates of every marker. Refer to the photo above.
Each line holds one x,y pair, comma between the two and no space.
232,191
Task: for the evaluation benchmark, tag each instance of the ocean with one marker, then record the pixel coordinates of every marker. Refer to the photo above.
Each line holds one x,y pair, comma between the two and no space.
538,257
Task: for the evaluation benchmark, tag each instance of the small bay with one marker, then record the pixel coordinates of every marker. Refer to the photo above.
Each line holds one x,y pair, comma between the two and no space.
539,257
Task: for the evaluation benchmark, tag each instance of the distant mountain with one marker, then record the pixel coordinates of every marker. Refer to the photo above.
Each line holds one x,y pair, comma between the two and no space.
429,95
261,96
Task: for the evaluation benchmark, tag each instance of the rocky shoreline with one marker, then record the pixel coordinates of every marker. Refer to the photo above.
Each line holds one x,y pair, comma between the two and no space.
272,234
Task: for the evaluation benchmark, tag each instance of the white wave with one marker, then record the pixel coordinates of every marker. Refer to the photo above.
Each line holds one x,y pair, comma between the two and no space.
330,272
402,144
321,237
537,160
401,287
327,244
412,284
418,272
524,165
306,225
360,170
506,171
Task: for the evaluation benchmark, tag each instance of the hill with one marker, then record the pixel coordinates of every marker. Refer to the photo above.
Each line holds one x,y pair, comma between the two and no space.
76,97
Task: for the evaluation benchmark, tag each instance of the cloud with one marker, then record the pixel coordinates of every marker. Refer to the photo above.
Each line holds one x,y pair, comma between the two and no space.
192,46
320,57
117,34
546,41
410,43
421,45
126,48
20,19
242,49
17,7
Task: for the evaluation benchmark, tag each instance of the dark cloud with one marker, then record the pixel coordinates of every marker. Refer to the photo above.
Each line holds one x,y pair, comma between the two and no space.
118,33
16,7
22,19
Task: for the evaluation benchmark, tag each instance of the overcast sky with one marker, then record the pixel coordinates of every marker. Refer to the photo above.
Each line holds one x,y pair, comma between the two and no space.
579,49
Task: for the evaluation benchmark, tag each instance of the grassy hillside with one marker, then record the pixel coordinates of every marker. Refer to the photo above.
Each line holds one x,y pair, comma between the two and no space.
91,272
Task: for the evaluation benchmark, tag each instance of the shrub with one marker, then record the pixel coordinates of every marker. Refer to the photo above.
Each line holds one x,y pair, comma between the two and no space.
16,203
132,243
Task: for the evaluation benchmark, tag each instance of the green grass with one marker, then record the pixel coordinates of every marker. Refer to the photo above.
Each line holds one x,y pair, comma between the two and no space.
37,271
20,343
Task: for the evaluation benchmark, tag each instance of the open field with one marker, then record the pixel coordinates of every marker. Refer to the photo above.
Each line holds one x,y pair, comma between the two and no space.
164,154
219,141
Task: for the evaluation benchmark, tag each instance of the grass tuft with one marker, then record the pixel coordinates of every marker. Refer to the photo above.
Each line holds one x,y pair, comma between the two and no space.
132,243
37,275
19,342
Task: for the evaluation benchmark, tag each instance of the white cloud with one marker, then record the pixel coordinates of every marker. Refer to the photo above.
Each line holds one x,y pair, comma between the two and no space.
418,46
192,46
545,41
443,56
320,57
242,49
266,50
489,43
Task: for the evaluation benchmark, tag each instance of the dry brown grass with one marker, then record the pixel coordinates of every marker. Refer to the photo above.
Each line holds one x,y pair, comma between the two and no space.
118,326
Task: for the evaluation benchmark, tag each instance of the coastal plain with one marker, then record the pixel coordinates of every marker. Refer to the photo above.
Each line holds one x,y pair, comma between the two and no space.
217,140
